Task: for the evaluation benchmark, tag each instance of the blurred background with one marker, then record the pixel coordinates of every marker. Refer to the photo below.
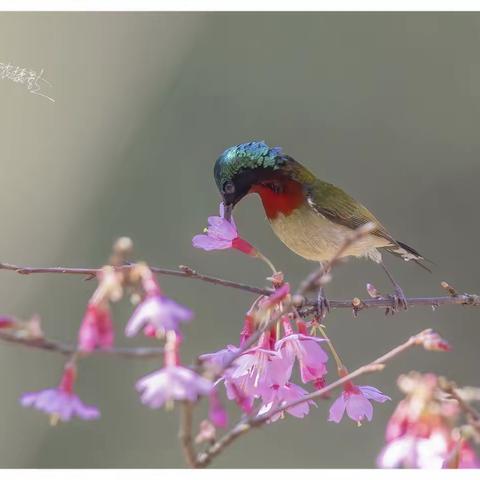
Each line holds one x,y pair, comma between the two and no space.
386,106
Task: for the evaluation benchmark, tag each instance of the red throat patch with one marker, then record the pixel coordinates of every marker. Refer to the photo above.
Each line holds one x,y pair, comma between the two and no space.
285,201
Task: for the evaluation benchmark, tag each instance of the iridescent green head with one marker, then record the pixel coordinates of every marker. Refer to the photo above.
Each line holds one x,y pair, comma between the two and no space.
240,166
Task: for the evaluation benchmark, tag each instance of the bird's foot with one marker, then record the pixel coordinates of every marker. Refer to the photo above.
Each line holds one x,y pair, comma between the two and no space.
399,301
323,305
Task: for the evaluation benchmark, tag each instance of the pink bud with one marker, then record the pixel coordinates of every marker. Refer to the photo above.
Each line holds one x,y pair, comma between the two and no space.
7,322
96,330
207,432
433,341
150,331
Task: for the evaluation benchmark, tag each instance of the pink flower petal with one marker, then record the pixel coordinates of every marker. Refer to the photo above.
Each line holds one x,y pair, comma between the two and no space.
208,243
337,410
161,312
222,231
310,355
54,401
373,393
172,383
396,452
358,407
278,396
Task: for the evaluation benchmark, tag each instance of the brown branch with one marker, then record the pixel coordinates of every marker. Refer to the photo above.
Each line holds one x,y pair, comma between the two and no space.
184,271
355,304
67,350
185,433
251,422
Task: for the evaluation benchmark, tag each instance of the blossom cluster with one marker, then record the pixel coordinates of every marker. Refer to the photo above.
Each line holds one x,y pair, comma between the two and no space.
279,366
423,431
156,316
263,372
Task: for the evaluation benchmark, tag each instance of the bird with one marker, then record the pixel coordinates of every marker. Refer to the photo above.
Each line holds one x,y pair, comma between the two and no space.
311,217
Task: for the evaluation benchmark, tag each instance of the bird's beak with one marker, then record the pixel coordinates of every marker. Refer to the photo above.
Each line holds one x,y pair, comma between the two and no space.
228,207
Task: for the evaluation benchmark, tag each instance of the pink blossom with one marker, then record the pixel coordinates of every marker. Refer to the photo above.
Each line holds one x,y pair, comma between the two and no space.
7,322
96,330
222,234
252,372
411,451
236,392
277,396
260,367
158,312
356,401
311,357
221,358
467,457
61,403
216,412
171,383
434,449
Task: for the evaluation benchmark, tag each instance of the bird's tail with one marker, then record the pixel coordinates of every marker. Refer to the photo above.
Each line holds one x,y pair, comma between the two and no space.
408,253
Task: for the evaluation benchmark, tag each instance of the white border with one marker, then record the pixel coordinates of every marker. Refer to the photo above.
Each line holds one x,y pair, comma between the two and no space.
243,5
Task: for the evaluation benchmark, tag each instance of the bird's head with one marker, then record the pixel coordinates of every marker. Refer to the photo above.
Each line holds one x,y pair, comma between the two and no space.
247,168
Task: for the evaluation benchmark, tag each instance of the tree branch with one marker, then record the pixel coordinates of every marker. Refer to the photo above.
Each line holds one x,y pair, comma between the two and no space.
251,422
185,433
184,271
356,304
67,350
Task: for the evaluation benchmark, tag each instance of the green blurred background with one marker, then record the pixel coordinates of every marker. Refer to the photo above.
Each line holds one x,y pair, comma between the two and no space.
386,106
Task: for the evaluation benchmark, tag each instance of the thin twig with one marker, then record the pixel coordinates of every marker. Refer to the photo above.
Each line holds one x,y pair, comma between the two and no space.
185,433
356,304
244,426
67,350
184,271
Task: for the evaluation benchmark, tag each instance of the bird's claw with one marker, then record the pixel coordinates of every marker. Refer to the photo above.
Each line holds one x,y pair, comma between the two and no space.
399,301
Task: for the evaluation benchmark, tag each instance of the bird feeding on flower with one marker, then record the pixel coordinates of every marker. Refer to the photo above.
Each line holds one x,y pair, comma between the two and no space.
311,217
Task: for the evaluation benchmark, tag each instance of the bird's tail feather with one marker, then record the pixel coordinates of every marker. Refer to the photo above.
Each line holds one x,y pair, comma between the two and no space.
408,253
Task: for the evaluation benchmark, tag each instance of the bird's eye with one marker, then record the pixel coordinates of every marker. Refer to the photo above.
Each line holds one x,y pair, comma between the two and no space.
274,187
229,188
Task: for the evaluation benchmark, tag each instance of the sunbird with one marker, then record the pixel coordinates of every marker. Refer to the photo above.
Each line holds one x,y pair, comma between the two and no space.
311,217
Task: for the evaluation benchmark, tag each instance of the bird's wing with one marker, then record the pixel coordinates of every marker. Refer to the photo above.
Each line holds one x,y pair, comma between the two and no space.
339,207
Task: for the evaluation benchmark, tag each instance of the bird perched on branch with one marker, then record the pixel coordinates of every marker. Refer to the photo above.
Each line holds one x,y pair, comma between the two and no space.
311,217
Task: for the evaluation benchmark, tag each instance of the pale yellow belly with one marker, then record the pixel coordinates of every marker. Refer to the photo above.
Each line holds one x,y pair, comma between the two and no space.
314,237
